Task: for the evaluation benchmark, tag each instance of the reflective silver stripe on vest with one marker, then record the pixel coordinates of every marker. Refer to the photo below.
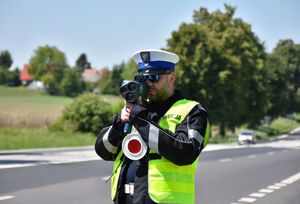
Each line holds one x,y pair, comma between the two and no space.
108,146
153,137
194,134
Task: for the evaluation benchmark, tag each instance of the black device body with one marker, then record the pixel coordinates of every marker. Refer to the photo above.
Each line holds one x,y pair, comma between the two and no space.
133,91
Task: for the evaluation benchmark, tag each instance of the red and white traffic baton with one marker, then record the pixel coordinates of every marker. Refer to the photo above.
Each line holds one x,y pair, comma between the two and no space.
134,146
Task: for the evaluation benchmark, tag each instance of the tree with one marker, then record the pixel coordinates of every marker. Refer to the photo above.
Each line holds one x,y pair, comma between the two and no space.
104,80
13,77
72,84
110,83
284,70
5,60
115,80
222,66
3,76
5,63
48,65
129,70
81,62
52,86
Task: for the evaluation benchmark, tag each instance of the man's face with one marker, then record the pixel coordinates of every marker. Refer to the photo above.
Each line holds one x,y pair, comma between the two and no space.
160,90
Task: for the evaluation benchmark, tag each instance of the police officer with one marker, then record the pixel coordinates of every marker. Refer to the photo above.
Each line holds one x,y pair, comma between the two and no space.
174,129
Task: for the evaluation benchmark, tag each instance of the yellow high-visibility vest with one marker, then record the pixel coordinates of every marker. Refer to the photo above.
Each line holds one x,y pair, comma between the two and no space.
168,182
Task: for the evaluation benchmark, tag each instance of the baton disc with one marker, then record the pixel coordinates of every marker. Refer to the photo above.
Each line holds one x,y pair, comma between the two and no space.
134,146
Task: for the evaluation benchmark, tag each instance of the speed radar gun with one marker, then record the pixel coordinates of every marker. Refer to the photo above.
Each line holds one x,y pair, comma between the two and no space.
133,92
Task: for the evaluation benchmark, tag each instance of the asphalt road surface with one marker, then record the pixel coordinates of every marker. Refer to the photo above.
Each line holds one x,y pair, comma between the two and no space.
265,173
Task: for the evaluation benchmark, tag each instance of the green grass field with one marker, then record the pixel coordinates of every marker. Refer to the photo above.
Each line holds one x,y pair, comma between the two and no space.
21,107
25,116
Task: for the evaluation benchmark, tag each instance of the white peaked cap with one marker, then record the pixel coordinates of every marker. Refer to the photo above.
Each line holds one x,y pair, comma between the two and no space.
155,59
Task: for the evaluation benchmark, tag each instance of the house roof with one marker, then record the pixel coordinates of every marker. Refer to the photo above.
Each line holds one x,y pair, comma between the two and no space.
24,75
90,71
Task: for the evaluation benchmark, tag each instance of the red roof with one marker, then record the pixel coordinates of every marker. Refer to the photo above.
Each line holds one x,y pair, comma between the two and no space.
90,71
25,76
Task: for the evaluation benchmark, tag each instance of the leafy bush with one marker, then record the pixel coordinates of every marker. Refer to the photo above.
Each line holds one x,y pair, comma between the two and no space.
88,113
283,125
296,116
260,135
117,107
279,126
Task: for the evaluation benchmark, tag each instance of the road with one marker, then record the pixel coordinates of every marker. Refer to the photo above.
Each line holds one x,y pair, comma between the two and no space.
264,173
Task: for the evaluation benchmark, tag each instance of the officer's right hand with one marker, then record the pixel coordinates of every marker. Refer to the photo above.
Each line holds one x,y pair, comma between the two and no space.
125,112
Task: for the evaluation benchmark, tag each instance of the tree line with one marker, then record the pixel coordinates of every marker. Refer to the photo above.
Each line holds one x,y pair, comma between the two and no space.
223,65
10,78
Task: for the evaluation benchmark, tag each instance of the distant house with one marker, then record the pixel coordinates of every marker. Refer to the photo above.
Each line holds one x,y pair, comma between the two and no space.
91,75
25,77
36,85
103,73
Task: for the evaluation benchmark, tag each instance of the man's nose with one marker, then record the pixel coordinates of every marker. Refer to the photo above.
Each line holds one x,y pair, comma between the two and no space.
149,82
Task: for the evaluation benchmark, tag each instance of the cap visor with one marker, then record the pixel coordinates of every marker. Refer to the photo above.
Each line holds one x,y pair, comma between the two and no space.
153,71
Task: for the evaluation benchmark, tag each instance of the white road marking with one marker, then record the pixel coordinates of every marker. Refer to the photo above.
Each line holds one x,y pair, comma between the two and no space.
270,189
6,197
292,179
280,184
266,190
247,200
225,160
257,195
290,144
46,158
270,153
274,187
8,166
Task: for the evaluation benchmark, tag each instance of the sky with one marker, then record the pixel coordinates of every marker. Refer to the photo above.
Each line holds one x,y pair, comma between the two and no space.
110,31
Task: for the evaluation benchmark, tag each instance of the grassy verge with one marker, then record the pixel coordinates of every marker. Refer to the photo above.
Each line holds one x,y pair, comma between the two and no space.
264,132
277,127
218,139
12,138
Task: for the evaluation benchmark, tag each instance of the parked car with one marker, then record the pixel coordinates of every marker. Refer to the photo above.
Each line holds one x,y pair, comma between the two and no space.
246,137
